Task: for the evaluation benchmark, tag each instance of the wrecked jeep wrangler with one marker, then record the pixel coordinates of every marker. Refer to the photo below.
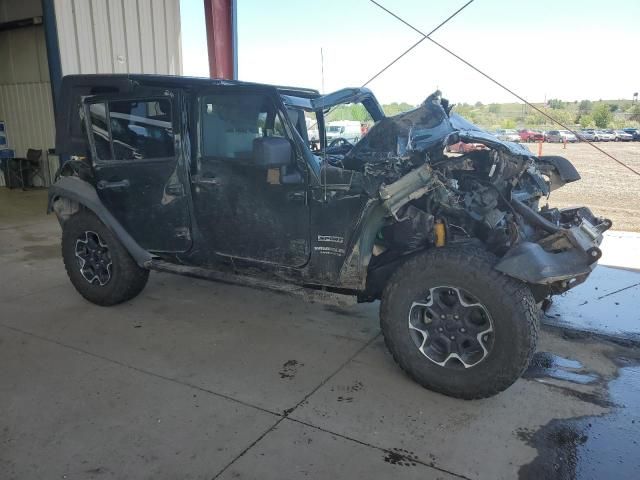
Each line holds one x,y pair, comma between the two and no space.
215,179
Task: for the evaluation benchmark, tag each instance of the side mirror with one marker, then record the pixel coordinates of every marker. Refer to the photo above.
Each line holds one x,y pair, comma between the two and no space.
271,152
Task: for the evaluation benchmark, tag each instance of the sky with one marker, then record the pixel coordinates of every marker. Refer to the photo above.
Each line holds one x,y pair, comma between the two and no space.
567,49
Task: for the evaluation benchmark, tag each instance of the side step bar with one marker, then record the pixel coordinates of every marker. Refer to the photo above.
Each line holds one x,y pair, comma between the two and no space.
308,294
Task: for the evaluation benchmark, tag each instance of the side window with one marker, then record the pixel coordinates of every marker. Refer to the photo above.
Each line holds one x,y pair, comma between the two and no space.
230,123
278,128
141,129
132,129
100,130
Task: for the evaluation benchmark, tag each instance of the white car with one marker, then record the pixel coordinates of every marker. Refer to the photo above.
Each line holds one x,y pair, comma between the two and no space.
507,135
350,130
622,136
560,136
604,136
312,129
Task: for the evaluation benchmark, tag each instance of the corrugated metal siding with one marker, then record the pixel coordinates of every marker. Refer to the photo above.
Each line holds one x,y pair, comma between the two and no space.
18,9
95,36
119,36
27,110
25,91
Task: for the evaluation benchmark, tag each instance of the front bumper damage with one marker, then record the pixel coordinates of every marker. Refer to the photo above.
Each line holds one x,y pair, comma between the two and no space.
563,259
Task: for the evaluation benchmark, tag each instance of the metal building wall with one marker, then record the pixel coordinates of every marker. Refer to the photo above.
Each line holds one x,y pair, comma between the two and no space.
25,91
119,36
94,36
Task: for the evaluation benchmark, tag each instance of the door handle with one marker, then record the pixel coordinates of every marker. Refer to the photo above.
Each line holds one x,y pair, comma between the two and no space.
174,189
297,196
205,180
102,184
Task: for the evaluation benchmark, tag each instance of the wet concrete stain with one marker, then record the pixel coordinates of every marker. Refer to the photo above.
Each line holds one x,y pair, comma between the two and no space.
609,313
97,471
34,237
354,387
41,252
598,398
593,447
548,365
342,311
401,457
287,411
557,444
626,341
290,369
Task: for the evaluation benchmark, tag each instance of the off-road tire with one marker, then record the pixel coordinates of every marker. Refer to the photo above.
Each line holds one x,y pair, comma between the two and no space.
509,302
127,279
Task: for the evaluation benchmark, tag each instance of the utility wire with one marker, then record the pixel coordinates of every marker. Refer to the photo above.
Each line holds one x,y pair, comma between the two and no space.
394,61
542,112
487,76
424,37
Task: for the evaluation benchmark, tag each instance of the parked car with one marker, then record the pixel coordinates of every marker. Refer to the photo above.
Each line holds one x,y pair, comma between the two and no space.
312,130
596,134
347,129
507,135
605,135
560,136
634,132
217,181
586,135
622,136
531,135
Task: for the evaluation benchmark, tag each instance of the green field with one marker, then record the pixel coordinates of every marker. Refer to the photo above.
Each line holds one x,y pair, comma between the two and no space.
586,113
578,114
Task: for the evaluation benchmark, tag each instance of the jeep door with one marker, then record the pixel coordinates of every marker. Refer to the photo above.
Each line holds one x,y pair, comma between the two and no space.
244,209
135,146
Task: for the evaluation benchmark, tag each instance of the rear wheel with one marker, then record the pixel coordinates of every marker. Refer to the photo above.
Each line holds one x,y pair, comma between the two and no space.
456,325
98,265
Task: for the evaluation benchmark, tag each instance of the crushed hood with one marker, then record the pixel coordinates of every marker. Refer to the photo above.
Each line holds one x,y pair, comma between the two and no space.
471,133
431,125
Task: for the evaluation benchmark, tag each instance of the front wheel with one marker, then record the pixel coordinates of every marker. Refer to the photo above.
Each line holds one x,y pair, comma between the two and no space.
456,325
98,265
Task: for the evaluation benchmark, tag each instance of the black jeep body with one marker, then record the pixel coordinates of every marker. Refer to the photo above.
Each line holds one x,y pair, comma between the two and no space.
216,178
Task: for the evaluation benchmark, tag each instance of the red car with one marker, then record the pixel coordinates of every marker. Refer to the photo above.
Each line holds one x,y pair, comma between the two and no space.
531,135
462,147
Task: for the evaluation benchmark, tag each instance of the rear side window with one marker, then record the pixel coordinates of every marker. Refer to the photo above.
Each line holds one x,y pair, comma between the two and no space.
132,129
100,130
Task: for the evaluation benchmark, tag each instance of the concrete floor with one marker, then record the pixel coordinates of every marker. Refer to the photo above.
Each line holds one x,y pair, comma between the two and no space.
195,379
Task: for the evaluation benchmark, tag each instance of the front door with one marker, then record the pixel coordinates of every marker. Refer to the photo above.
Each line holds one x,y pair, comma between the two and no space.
245,210
138,169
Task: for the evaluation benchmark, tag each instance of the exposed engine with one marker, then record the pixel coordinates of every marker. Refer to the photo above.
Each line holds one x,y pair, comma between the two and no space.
490,194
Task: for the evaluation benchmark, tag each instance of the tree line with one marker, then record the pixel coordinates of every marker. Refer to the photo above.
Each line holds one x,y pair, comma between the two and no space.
586,113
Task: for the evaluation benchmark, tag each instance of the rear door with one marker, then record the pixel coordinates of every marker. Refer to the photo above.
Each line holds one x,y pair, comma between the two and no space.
135,143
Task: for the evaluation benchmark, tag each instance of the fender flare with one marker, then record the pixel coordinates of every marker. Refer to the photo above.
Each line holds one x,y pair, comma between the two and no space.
375,215
83,193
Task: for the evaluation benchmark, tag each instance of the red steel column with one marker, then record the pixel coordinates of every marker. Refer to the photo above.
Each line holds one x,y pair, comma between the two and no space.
218,16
